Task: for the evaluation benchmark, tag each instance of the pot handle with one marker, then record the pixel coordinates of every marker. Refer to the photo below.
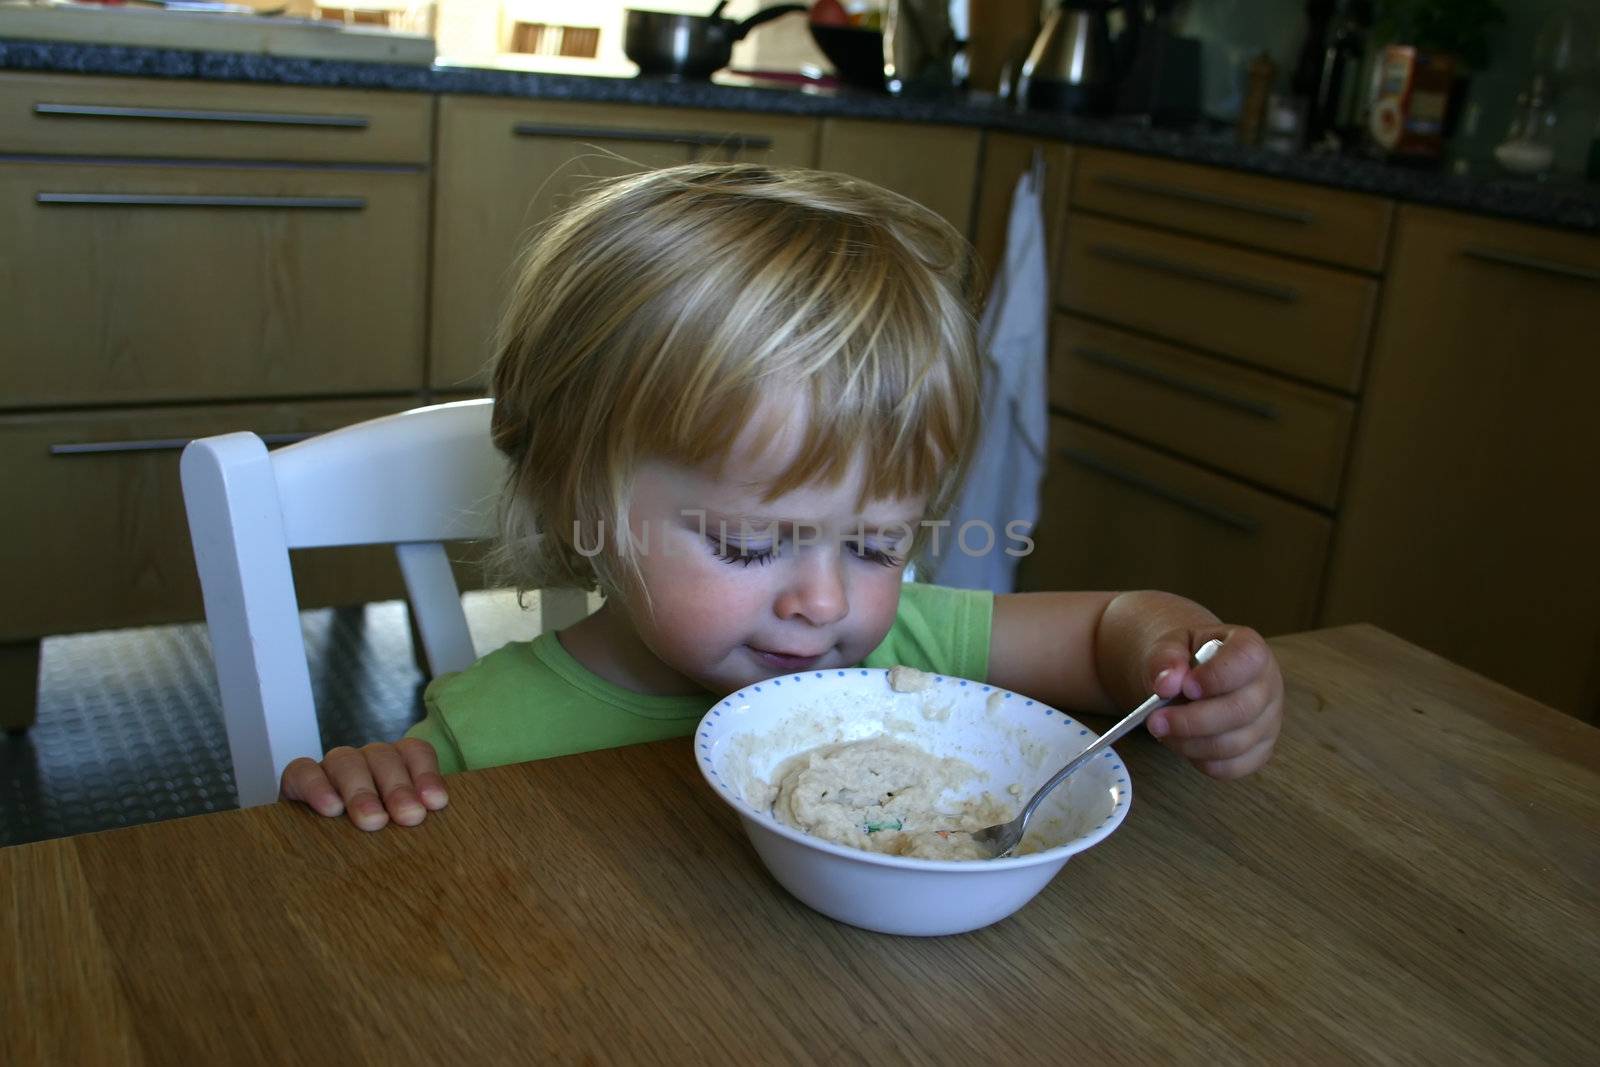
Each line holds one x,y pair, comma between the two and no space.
766,14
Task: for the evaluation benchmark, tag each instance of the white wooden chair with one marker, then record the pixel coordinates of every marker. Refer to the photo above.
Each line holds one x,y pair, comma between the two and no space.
413,480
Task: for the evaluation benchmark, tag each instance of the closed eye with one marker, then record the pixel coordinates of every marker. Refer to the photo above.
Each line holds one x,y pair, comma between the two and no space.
871,554
742,555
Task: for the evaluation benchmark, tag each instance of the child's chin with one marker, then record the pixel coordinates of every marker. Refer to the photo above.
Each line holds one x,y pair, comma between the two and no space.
735,681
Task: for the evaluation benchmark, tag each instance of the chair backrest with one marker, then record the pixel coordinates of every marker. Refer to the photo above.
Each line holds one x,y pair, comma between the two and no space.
413,480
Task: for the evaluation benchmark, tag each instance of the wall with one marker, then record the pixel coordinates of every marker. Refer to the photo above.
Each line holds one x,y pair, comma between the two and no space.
474,31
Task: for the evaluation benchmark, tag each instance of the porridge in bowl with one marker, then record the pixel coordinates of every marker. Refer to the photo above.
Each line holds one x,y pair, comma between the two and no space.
857,787
883,795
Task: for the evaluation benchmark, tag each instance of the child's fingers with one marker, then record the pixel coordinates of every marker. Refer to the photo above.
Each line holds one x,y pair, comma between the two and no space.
393,779
1208,718
1241,765
1228,744
351,776
305,782
1243,657
423,763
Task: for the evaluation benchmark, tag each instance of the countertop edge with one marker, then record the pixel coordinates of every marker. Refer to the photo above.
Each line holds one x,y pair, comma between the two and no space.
1569,206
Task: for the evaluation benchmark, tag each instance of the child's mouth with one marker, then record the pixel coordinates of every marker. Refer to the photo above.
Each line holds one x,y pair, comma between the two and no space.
786,661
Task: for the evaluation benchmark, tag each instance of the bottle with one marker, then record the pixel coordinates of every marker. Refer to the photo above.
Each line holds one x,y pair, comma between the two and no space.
1253,113
1334,111
1308,68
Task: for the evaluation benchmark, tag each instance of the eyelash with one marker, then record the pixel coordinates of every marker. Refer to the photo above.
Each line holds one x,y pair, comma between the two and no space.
733,554
736,556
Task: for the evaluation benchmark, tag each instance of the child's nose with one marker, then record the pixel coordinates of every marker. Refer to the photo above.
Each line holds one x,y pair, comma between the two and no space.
815,591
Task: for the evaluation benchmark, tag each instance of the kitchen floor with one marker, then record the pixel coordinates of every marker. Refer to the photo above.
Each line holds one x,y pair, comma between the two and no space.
130,728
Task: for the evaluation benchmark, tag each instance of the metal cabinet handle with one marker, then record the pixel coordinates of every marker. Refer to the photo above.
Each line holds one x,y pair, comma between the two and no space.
185,114
329,203
1194,196
1231,519
162,444
606,133
1284,293
1546,266
1172,381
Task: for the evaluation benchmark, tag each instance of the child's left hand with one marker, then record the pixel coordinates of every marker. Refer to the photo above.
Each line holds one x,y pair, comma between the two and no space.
1235,707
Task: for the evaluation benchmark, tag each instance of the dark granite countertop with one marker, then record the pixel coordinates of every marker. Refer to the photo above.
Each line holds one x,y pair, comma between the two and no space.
1566,204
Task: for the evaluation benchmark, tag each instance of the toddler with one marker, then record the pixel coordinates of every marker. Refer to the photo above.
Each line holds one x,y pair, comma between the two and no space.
734,397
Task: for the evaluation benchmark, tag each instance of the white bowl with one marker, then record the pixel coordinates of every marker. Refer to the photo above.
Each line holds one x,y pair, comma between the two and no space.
1009,738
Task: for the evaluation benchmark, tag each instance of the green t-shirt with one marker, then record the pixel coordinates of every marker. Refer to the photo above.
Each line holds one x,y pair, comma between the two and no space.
531,700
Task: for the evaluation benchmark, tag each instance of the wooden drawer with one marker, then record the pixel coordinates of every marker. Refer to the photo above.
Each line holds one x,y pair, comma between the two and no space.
1260,427
506,166
1305,321
183,120
1117,515
153,282
105,542
1349,229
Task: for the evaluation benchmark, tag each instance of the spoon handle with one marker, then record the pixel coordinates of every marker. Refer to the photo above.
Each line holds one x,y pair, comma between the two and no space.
1115,734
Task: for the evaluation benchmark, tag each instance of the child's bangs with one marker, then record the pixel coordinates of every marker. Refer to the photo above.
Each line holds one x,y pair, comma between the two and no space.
837,328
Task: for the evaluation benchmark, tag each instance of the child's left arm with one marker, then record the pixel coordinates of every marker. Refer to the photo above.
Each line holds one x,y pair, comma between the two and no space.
1106,652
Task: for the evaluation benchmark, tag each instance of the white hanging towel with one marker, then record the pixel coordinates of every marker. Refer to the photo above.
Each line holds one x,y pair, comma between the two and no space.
1002,486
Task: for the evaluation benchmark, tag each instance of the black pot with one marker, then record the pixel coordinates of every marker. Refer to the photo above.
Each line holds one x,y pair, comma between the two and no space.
688,47
856,53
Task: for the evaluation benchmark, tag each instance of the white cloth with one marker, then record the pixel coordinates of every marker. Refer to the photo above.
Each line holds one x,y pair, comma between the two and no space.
1002,486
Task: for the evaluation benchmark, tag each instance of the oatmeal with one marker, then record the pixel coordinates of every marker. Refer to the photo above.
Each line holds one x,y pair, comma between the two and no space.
883,795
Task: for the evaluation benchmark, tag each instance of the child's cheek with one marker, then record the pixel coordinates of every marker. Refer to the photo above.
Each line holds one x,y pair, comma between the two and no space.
874,608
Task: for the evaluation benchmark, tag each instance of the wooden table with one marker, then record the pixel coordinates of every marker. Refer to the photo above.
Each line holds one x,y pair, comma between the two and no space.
1413,879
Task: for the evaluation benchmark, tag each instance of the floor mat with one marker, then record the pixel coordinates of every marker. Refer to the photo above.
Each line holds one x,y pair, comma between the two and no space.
130,727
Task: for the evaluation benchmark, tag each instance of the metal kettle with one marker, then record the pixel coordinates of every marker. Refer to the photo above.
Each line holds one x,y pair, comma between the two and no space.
1071,66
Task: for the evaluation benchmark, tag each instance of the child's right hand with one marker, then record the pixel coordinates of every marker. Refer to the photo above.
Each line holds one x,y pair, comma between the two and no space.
373,784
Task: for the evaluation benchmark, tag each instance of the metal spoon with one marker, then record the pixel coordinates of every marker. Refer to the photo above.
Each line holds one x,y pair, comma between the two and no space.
999,840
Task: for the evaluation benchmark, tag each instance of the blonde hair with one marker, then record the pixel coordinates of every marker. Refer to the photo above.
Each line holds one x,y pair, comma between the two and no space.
649,321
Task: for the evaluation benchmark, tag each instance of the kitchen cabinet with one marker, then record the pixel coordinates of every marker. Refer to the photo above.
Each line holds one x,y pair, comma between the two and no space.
1006,157
179,257
1327,225
1267,430
1207,372
107,543
1308,321
1471,521
1124,516
173,119
506,166
937,166
165,282
1299,405
105,540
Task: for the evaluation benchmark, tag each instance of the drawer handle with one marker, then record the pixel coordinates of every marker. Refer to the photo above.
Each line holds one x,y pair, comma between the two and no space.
327,203
1230,519
1283,293
1172,381
160,444
183,114
1545,266
1227,203
605,133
